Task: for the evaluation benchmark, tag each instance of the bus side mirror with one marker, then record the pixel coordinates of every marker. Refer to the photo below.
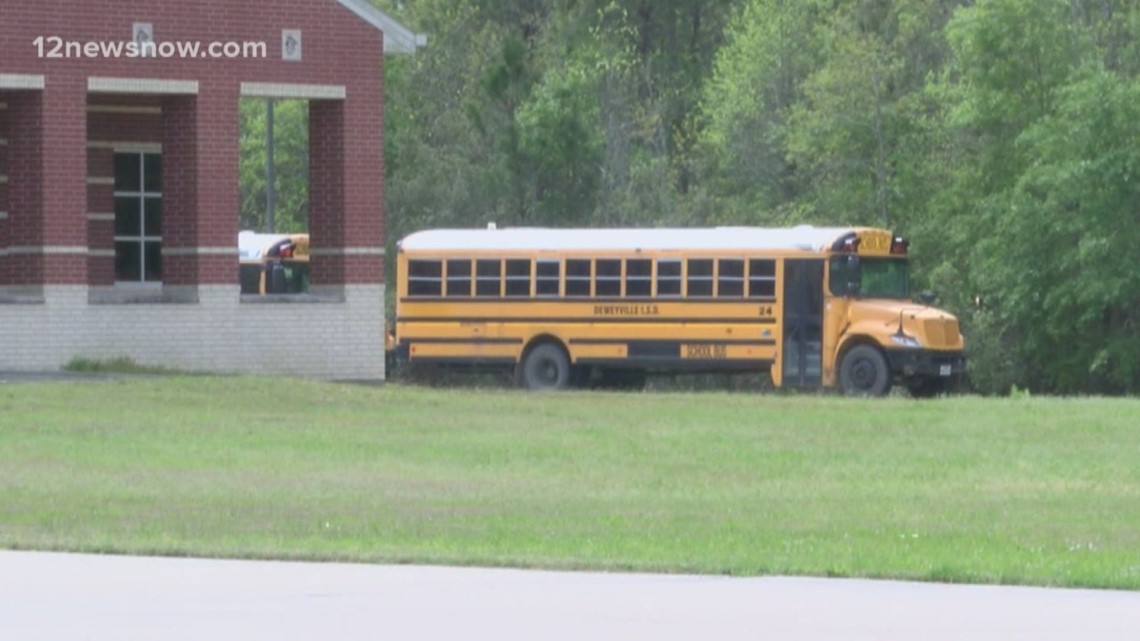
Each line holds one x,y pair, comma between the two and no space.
927,297
853,281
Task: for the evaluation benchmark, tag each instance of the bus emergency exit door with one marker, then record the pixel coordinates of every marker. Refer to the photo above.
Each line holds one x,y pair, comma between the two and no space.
803,323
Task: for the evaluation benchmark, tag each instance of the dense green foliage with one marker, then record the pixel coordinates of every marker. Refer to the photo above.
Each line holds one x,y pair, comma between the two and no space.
1000,135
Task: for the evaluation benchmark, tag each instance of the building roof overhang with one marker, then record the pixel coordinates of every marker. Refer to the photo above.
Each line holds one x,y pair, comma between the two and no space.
397,37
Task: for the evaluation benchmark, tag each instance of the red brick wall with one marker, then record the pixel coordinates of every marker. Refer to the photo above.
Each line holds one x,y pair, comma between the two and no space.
3,190
338,47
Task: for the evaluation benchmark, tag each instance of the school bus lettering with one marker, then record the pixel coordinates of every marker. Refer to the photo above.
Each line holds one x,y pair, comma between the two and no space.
875,244
626,310
706,351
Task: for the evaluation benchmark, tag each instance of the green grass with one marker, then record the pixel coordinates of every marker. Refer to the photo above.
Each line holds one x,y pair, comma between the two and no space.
118,365
1032,490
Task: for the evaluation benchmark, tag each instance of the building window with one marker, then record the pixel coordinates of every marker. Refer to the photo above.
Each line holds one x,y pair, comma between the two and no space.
138,217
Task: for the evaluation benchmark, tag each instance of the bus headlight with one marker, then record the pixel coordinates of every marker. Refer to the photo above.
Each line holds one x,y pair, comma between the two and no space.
903,340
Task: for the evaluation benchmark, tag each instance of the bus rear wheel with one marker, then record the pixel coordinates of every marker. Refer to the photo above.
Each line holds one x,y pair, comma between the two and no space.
544,368
864,372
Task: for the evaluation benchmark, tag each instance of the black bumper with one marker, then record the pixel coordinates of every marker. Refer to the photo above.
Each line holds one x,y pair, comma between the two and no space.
923,363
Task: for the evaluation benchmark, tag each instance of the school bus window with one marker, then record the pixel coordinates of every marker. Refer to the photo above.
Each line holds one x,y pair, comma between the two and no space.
547,274
638,277
488,274
730,278
425,278
578,277
700,277
518,278
668,277
761,278
459,278
608,281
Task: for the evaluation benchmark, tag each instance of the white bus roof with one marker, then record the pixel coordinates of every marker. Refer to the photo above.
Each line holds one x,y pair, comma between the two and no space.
253,245
804,238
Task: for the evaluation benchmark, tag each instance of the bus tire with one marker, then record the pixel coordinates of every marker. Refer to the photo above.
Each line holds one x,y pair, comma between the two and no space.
544,368
864,372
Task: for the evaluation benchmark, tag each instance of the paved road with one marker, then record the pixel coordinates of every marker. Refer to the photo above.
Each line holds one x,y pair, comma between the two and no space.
63,597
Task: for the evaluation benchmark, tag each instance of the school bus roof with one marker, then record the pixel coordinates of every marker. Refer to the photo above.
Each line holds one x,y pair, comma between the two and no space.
253,245
803,238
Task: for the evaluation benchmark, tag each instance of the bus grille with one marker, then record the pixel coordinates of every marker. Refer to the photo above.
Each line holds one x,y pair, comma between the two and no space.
941,332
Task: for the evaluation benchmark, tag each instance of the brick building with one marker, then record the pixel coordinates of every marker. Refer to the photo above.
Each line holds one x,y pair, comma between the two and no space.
119,183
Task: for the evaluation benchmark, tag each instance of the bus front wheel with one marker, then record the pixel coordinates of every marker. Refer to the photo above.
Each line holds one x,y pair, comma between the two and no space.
864,372
545,367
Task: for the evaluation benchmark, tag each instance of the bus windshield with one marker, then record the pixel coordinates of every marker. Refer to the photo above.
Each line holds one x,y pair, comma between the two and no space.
883,278
877,277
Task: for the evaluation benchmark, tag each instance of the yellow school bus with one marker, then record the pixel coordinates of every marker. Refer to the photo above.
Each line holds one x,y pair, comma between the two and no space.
273,263
815,307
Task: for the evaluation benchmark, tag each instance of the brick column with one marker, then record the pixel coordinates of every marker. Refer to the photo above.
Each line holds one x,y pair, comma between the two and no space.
180,194
200,190
364,177
101,218
47,178
64,232
24,273
327,194
3,192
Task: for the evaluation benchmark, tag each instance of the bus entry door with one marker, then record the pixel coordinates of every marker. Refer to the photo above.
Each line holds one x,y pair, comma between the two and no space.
803,323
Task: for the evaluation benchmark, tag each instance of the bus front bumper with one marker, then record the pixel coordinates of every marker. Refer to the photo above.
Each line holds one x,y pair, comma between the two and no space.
926,363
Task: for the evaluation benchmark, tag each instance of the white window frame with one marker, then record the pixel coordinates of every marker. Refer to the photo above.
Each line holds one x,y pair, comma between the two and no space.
141,196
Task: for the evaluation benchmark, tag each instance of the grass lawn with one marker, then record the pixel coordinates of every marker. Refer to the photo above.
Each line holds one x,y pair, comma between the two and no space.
1039,491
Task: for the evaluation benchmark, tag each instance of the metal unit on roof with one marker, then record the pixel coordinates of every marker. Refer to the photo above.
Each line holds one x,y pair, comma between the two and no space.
803,238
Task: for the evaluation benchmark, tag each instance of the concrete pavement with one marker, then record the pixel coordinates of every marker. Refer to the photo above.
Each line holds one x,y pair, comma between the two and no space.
63,596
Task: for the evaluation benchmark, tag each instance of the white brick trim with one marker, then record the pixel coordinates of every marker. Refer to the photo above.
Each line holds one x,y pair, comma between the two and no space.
199,251
58,250
97,84
284,90
101,217
3,142
100,180
3,215
3,179
101,253
21,81
126,146
123,109
348,251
